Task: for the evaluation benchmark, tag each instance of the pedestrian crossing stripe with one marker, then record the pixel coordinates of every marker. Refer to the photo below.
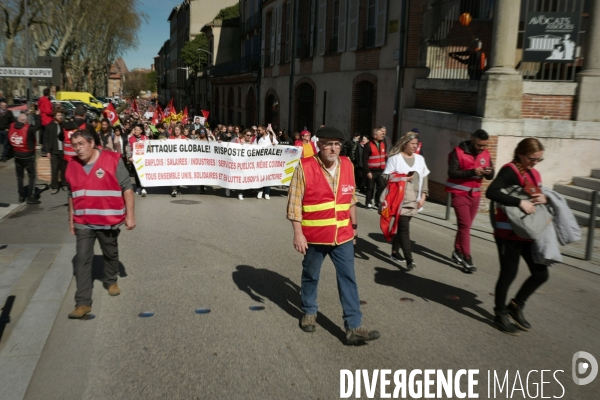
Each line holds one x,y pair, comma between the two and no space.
140,167
286,180
289,170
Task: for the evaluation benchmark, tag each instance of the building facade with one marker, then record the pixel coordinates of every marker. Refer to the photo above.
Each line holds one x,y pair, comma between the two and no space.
116,79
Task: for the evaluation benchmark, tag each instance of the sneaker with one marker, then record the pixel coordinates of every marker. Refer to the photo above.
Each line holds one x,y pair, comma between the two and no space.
457,257
33,200
227,192
360,335
259,195
468,265
502,323
370,206
54,191
240,196
396,257
144,193
411,265
113,290
21,199
308,323
80,311
516,313
138,191
174,193
267,197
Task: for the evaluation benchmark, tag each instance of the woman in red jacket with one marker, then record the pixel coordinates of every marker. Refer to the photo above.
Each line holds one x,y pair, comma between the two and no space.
520,171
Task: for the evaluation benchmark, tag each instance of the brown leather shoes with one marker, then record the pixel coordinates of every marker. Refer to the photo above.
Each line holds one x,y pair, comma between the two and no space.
80,311
114,290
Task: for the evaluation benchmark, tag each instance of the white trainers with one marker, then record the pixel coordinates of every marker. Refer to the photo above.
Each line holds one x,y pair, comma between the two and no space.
267,197
259,195
240,197
370,206
144,193
227,192
174,193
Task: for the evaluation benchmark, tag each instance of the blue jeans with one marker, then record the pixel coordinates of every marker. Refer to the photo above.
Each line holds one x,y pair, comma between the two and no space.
266,190
343,260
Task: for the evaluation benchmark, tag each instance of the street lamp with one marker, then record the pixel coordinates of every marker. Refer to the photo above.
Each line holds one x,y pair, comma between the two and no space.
207,52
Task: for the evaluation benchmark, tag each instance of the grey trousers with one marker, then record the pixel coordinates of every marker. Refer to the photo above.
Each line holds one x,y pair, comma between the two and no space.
85,255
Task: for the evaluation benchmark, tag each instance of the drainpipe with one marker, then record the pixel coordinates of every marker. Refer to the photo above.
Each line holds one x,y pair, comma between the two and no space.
292,65
399,98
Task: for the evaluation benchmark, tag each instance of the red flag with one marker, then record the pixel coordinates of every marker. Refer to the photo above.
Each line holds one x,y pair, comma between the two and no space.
205,113
184,117
172,110
111,114
155,118
159,112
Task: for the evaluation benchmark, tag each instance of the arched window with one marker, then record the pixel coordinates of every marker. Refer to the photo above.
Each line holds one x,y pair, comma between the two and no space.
272,110
364,103
305,106
250,108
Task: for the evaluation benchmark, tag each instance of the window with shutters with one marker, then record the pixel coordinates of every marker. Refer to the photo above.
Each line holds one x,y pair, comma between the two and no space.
335,28
303,33
288,31
305,107
267,45
371,28
285,25
353,24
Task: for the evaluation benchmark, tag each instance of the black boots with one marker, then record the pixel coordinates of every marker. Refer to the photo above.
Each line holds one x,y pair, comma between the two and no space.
516,313
504,325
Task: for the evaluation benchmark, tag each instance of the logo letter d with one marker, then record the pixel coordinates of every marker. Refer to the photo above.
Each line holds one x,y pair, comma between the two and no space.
582,367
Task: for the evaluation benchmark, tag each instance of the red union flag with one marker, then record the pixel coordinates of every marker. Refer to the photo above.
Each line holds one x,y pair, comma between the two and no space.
205,113
111,114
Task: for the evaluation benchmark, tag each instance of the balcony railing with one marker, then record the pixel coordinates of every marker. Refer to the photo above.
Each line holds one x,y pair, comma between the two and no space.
236,67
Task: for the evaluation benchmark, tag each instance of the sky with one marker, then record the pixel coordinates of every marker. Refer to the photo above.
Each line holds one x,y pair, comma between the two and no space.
152,34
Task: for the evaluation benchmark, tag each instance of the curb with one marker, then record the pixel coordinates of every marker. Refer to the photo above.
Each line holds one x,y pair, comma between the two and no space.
14,210
568,259
24,347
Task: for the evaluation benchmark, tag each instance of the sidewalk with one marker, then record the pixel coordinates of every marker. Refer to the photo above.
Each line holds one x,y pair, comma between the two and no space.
574,253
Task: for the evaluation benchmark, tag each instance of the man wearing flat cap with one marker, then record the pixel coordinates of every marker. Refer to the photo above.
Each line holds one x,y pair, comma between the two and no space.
322,208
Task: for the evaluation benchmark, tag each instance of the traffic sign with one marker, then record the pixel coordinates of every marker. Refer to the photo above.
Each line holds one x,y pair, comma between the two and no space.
25,72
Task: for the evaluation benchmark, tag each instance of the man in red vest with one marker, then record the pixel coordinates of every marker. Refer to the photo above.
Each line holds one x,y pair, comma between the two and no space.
46,116
100,201
21,137
468,164
322,208
374,159
70,127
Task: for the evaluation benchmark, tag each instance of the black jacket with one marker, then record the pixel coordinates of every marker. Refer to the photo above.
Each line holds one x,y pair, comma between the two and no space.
454,170
6,119
30,139
53,130
75,124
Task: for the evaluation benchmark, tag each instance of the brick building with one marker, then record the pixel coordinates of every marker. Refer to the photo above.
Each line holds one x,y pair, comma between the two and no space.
355,64
116,79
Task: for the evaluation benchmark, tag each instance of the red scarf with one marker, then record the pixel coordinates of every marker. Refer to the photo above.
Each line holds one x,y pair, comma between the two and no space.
391,207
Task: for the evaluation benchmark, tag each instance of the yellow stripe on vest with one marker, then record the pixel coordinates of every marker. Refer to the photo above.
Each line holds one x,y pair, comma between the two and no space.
319,207
319,222
342,207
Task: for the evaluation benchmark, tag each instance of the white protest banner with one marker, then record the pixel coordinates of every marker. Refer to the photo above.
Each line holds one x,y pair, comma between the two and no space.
177,162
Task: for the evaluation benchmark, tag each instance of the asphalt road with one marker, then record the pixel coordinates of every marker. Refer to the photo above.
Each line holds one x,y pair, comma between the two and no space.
225,255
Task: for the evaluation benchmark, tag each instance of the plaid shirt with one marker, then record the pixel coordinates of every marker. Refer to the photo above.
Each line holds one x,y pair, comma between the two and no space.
297,186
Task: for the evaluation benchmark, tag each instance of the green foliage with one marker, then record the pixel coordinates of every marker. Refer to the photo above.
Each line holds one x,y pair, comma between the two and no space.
229,12
151,81
192,57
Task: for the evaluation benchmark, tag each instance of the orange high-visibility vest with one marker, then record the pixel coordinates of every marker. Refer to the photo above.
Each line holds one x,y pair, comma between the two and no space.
378,156
325,215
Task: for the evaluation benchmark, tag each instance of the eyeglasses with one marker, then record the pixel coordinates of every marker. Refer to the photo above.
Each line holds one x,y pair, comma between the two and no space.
535,160
79,145
328,145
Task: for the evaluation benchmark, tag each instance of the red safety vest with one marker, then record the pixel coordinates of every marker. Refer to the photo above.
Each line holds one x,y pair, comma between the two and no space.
68,152
469,186
97,196
503,229
18,138
378,157
325,215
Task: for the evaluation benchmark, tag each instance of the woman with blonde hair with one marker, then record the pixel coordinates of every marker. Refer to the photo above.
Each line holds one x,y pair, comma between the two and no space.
402,159
519,172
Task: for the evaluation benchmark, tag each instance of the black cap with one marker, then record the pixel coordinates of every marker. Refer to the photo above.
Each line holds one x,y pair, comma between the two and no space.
415,130
80,110
329,132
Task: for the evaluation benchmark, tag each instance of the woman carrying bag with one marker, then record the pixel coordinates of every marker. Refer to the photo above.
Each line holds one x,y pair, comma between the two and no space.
405,164
519,172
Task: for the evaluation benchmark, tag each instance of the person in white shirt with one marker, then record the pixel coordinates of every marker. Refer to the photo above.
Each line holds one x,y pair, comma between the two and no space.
403,160
266,137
